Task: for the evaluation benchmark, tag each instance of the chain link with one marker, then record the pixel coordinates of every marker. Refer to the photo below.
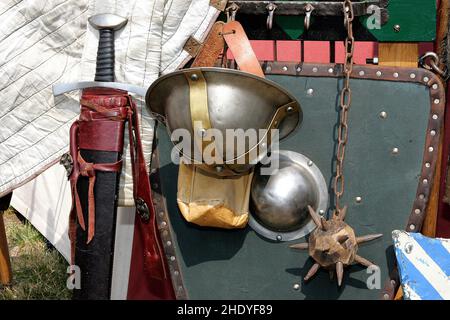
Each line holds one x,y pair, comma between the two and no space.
345,102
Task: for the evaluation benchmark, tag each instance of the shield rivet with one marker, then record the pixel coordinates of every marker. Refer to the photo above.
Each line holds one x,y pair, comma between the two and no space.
427,165
315,69
395,74
289,109
330,70
285,68
310,92
412,227
194,77
358,199
433,132
378,73
435,116
425,181
417,211
436,101
383,114
426,79
412,75
395,150
435,86
361,73
296,286
430,149
279,237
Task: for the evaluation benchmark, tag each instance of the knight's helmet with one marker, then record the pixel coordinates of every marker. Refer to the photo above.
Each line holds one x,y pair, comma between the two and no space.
229,102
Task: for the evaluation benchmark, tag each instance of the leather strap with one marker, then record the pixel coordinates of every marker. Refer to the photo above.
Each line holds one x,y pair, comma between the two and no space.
241,48
212,47
237,41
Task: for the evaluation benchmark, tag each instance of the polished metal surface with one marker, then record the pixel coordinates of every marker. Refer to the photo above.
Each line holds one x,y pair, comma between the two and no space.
107,21
62,88
279,202
235,100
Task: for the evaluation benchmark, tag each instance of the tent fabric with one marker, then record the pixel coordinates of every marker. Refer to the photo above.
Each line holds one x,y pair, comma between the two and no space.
47,42
44,43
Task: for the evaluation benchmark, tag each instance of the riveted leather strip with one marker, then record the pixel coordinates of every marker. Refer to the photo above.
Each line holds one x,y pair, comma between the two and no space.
241,48
163,222
212,47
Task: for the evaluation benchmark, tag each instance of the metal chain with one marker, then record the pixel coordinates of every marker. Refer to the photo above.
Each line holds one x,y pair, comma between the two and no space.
345,102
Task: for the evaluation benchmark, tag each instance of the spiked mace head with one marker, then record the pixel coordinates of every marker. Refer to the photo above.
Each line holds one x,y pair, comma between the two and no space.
333,245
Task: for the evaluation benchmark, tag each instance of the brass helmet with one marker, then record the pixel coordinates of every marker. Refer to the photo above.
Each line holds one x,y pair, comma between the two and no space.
281,195
200,99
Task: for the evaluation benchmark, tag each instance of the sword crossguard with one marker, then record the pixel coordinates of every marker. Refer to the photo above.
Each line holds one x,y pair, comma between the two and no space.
62,88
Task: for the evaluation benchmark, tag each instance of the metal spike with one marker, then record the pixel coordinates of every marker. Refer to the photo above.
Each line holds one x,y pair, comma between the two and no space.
300,246
343,213
369,237
315,217
363,261
339,272
312,271
323,223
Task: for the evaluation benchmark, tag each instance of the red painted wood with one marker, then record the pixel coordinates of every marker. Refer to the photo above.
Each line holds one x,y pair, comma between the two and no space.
264,50
289,51
425,47
363,51
316,51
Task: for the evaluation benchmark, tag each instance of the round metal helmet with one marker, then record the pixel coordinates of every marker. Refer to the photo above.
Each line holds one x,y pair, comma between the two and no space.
279,201
217,107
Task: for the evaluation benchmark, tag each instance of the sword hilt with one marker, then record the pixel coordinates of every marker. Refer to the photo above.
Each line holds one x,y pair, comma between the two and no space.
107,24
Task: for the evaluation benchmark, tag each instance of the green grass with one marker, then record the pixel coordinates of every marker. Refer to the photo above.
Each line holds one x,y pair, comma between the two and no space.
38,273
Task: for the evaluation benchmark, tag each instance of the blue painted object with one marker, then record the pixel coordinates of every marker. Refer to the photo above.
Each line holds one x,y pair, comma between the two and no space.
424,265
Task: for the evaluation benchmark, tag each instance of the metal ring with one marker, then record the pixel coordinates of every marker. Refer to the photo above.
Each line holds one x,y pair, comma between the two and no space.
309,9
271,7
433,63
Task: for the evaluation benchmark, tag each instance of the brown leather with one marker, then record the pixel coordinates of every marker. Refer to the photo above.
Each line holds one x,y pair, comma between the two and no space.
101,135
241,48
100,127
212,47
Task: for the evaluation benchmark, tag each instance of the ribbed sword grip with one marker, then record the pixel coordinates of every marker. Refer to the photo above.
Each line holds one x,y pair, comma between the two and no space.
105,56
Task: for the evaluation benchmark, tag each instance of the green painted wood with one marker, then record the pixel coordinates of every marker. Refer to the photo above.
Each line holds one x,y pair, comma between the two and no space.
417,20
239,264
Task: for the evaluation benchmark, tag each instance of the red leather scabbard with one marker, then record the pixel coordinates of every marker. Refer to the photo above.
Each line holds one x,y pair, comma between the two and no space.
104,113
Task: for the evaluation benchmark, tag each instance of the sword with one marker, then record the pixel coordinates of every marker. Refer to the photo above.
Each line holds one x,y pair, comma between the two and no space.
95,173
107,24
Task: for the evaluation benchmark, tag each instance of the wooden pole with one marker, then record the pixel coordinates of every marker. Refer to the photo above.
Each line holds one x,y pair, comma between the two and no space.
5,262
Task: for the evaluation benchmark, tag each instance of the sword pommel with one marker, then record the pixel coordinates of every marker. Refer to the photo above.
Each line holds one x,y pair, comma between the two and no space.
106,23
